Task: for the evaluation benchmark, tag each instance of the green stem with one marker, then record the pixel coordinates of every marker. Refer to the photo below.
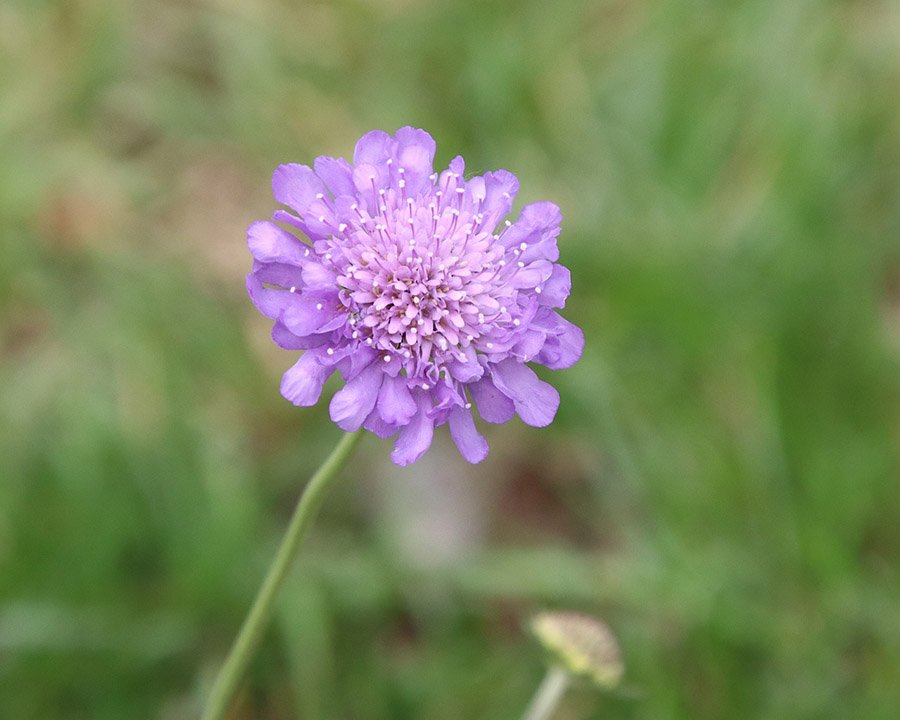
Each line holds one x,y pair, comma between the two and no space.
257,619
548,694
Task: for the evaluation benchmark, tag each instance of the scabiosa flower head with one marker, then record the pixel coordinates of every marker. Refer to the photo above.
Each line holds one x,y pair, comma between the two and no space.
413,286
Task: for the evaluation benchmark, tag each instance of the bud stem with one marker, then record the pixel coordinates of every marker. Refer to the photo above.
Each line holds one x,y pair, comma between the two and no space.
548,694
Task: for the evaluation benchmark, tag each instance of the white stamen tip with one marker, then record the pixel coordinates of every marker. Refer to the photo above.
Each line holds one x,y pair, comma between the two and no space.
293,288
426,386
386,358
318,306
330,351
319,196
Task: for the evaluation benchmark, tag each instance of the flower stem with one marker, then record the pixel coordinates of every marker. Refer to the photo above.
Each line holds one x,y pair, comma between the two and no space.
548,695
253,629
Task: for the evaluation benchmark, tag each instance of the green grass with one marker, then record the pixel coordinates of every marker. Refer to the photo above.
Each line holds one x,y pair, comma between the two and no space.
721,484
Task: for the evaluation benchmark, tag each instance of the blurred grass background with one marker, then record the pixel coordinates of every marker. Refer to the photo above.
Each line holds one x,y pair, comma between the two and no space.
721,484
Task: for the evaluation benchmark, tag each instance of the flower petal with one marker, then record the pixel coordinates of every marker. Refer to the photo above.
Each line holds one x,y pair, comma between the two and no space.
532,275
284,338
373,148
493,405
302,383
529,344
316,275
536,401
395,402
310,311
336,173
537,227
271,303
415,155
352,404
415,437
500,188
564,347
375,424
468,371
557,287
269,243
296,186
472,445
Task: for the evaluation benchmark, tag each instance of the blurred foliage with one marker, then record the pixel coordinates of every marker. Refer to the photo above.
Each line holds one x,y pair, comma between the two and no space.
721,484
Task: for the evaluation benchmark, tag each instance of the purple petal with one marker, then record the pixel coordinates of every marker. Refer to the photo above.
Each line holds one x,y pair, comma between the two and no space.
296,186
284,338
285,276
458,165
318,276
500,189
469,371
557,287
564,347
336,173
536,401
395,403
292,220
302,384
310,311
271,303
415,437
532,275
475,193
415,154
368,179
529,344
373,148
472,445
375,424
493,405
352,404
537,227
269,243
353,359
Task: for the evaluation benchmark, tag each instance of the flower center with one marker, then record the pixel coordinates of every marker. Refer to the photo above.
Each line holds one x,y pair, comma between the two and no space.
423,282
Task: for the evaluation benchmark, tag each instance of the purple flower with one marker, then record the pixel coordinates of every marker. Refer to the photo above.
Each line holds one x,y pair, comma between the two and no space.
415,289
